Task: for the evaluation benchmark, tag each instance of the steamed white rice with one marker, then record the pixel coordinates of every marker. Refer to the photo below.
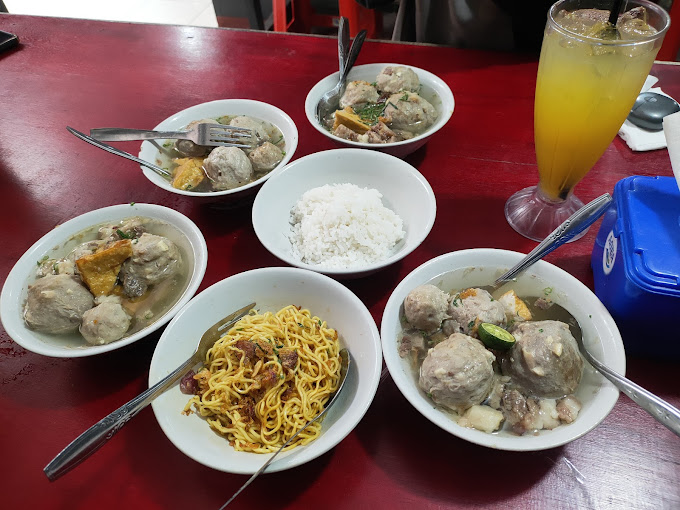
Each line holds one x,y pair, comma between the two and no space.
343,226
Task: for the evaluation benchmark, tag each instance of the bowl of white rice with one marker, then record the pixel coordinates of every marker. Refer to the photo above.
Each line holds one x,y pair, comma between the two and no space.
345,212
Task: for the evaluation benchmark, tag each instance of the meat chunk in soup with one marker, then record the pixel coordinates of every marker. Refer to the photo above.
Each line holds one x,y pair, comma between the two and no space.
228,168
545,360
458,372
56,304
265,157
409,111
106,322
425,307
396,79
473,306
154,258
359,93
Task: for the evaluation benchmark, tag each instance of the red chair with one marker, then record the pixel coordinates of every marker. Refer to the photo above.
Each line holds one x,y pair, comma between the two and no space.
671,42
303,17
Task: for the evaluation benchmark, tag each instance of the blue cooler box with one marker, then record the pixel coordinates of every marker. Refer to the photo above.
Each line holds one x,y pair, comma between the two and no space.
636,264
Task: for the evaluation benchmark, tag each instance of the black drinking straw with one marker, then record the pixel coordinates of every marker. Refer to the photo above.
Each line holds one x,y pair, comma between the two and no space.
614,13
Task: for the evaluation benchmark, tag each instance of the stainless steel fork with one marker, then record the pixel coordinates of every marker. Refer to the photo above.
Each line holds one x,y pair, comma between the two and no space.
211,135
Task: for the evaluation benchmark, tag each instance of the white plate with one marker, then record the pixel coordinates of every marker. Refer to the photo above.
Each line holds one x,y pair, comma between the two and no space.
272,289
433,88
14,291
405,191
212,110
480,267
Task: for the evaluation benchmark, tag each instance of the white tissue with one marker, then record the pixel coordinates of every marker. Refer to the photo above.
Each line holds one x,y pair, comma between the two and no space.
671,131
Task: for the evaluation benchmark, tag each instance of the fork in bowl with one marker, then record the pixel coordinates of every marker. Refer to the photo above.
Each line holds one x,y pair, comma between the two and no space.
210,135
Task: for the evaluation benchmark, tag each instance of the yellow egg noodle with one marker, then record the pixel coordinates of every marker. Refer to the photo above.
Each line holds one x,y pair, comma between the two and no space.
267,377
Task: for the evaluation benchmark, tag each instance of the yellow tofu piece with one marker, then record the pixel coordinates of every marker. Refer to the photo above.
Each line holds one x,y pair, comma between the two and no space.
189,174
99,271
514,306
348,118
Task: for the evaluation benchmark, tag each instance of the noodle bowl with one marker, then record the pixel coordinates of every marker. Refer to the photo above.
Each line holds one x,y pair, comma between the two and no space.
267,377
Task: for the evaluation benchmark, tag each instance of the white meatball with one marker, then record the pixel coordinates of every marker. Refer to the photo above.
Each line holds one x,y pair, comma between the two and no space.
425,307
56,304
105,323
257,127
154,258
358,92
228,168
408,111
398,78
265,157
458,372
471,307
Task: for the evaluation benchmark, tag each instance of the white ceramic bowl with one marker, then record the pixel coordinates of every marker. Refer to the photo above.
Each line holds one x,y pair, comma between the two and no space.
271,288
211,110
405,191
434,89
58,242
479,267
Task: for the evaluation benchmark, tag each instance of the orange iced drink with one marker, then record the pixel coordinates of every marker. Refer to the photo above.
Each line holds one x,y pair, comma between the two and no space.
585,88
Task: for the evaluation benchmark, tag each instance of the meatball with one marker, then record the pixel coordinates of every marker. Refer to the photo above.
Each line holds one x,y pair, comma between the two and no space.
258,128
545,360
358,93
130,229
228,168
409,111
425,307
458,373
154,258
56,304
265,157
395,79
471,307
106,322
189,148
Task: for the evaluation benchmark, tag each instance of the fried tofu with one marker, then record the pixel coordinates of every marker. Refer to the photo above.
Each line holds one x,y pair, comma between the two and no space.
189,174
348,118
515,309
99,271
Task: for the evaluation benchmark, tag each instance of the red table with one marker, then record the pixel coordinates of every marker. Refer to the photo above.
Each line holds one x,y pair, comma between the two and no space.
91,74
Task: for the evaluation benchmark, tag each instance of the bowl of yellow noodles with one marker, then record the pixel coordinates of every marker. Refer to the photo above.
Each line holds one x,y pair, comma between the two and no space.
269,373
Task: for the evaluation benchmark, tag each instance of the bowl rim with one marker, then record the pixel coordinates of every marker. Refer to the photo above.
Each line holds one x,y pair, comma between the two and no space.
297,456
163,184
607,393
10,309
393,161
443,91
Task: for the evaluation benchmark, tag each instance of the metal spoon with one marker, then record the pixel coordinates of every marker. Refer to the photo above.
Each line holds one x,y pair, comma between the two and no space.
113,150
345,361
330,101
570,228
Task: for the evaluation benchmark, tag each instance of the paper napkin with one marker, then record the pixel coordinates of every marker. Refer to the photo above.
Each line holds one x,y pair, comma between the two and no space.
671,131
637,138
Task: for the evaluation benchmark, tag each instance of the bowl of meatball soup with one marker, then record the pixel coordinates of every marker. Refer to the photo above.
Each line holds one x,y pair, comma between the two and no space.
393,108
499,366
103,280
222,174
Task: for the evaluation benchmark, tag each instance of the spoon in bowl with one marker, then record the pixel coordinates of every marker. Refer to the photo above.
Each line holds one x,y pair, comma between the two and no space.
330,101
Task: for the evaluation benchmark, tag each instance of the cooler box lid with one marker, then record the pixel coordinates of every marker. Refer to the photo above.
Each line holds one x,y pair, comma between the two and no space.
648,227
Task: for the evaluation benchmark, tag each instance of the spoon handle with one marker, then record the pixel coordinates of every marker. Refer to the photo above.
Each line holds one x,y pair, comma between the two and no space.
343,42
572,226
353,53
118,152
98,434
661,411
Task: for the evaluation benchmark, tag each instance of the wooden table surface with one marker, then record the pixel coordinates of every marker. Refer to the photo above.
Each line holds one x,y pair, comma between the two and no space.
91,74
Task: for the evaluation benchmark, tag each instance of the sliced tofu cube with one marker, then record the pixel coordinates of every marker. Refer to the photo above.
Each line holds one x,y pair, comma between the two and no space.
515,309
348,118
189,174
99,271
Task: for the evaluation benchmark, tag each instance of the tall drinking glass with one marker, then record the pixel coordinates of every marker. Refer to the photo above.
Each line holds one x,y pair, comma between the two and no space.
586,85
